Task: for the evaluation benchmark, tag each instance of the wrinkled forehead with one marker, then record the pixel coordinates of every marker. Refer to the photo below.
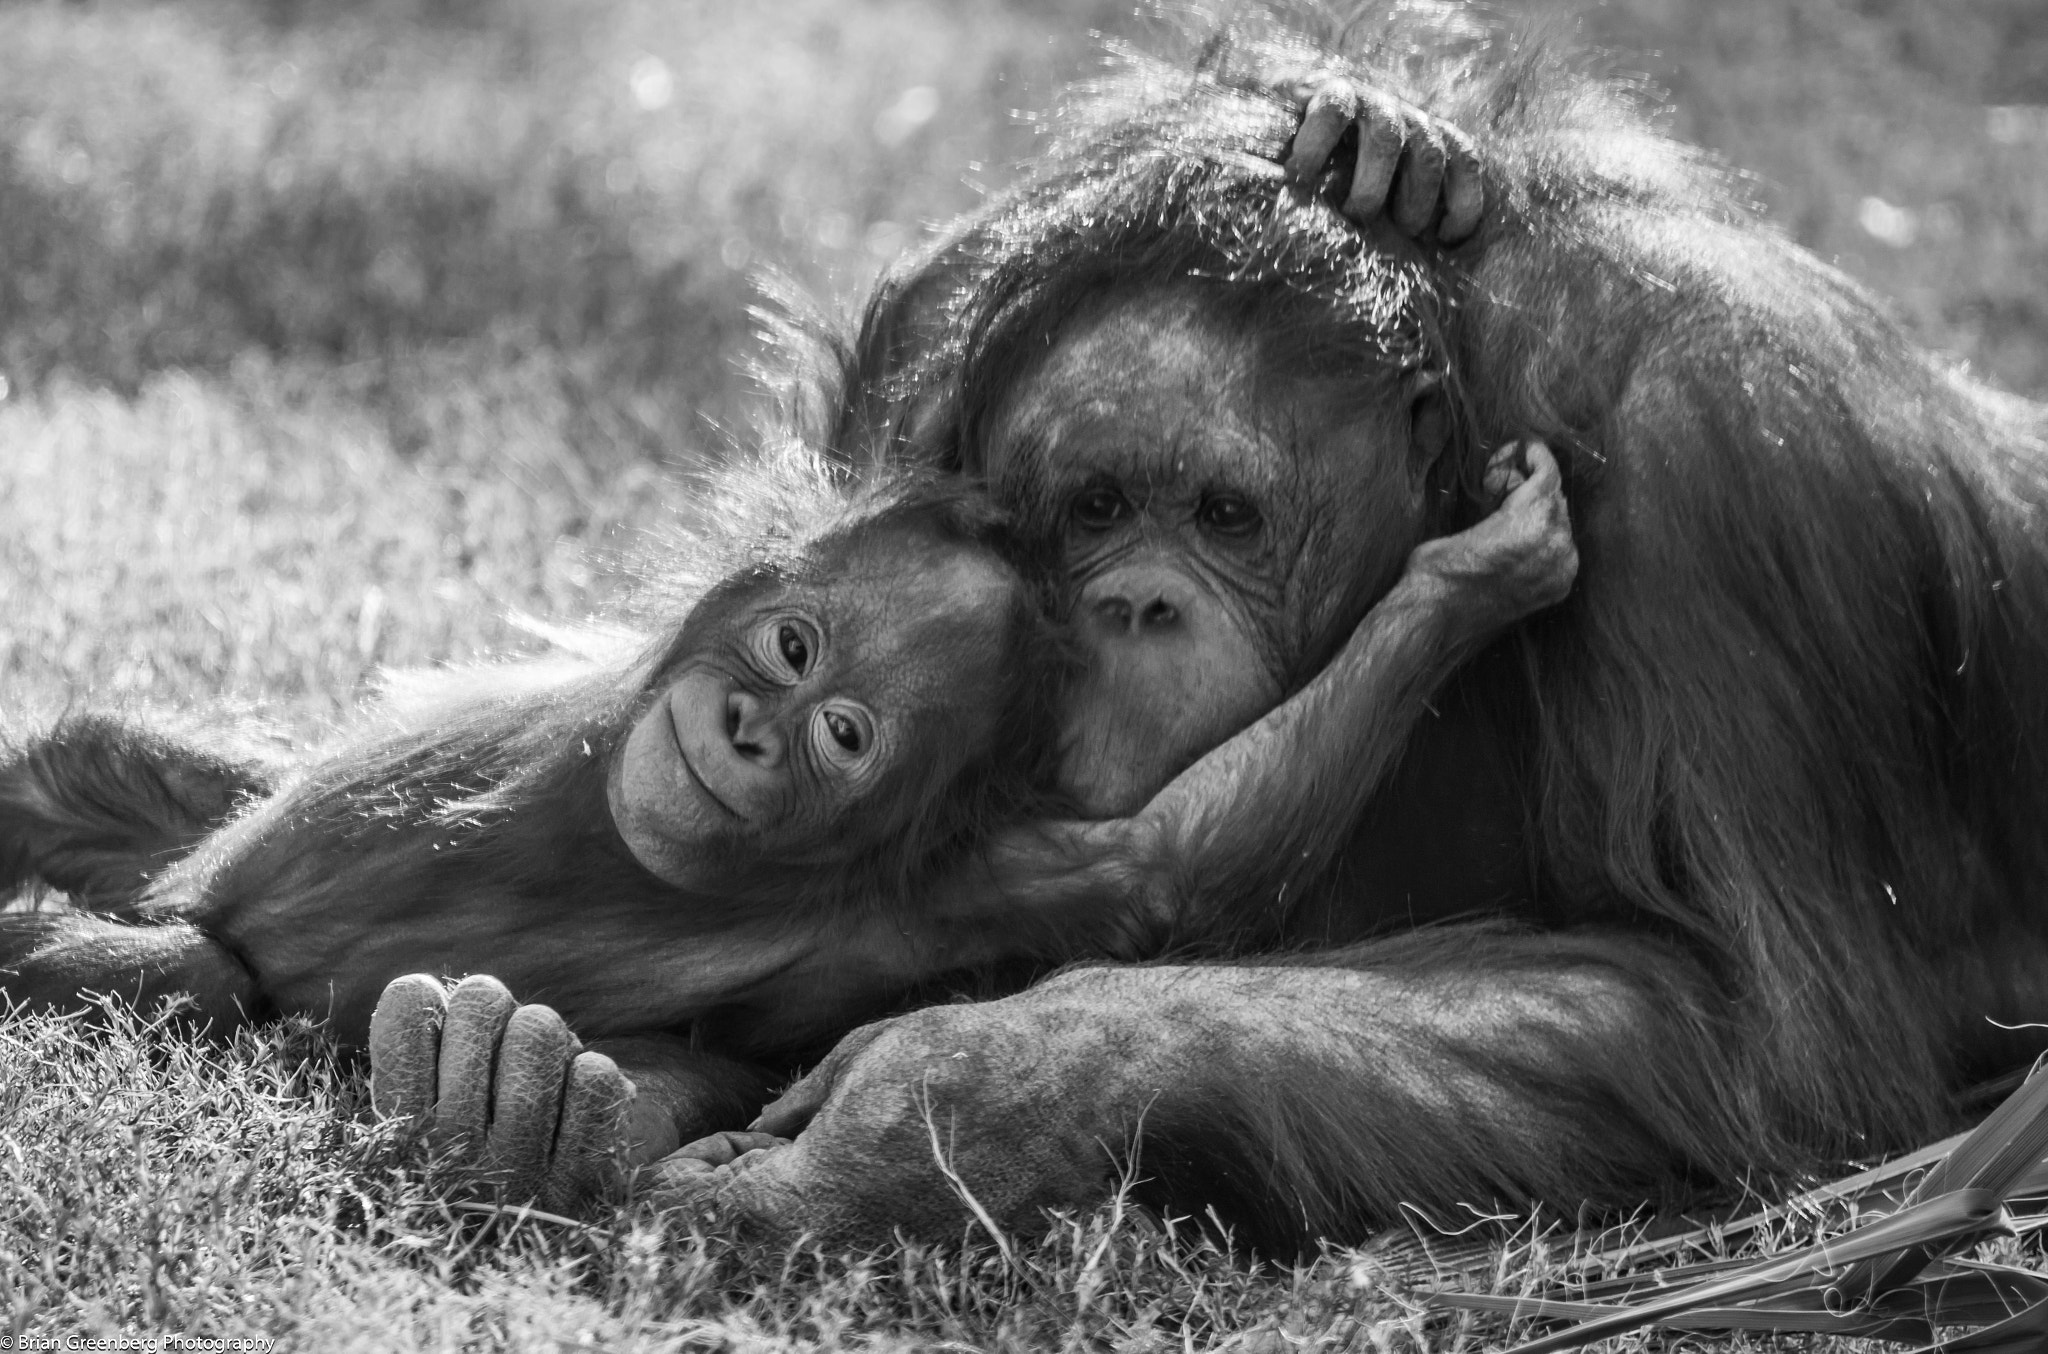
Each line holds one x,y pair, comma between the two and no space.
1179,393
1153,387
1156,354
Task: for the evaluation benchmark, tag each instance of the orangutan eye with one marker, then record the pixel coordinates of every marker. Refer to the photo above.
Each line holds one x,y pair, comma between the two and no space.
1228,515
1100,509
844,731
843,734
796,645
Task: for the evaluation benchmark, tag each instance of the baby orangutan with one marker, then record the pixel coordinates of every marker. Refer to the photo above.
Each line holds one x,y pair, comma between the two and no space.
706,863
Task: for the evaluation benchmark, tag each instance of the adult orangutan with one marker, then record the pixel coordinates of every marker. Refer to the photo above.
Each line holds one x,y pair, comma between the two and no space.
1733,863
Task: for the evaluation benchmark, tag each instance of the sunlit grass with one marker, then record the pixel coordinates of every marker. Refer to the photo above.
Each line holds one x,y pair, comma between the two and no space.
254,536
152,1183
181,183
238,1190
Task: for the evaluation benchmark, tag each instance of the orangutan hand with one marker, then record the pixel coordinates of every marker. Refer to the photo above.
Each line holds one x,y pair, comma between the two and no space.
1518,559
1420,172
505,1088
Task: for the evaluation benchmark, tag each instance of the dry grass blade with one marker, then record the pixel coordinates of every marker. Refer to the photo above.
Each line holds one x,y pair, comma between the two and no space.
1881,1279
1795,1318
943,1157
1957,1294
1997,1157
1950,1216
1887,1185
2022,1333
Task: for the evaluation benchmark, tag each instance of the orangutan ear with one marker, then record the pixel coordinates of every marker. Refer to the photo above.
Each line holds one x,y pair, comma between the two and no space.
1429,421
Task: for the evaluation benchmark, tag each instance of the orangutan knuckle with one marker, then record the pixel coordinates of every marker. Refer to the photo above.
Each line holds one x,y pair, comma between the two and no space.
1381,135
940,1037
946,1055
1338,96
1425,144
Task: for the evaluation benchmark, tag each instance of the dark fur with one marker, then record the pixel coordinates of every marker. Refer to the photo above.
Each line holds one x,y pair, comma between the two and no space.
1772,784
476,838
98,806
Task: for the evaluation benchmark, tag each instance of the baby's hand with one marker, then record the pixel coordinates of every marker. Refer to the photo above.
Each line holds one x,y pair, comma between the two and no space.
1520,559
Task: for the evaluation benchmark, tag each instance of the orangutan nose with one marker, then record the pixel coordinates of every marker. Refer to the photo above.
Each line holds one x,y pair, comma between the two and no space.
1157,614
750,728
1141,605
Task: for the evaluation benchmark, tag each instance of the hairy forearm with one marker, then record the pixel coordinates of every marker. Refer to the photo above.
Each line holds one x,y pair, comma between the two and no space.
1466,1066
1264,812
1537,1069
1267,810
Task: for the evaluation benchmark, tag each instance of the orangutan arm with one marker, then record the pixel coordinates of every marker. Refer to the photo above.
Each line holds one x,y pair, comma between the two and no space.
1293,1099
1263,814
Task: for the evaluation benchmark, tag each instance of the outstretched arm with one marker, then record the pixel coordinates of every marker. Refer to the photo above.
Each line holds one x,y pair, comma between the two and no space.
1315,1097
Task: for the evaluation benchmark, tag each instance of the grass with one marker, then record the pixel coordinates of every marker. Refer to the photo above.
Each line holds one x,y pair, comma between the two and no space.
331,333
153,1185
238,1191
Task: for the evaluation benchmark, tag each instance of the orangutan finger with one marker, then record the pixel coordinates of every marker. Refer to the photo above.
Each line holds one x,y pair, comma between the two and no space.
786,1115
681,1181
1464,188
1420,184
593,1110
478,1009
1541,464
1504,471
1383,132
533,1063
789,1112
722,1149
1538,495
1330,110
405,1049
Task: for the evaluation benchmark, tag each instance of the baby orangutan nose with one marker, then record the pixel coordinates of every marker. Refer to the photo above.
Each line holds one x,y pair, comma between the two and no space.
752,730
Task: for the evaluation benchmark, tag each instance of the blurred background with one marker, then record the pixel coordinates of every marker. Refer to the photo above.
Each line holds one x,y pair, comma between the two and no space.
330,330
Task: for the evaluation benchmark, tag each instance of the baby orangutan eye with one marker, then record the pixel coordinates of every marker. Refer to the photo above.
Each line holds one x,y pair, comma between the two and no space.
795,652
842,734
788,645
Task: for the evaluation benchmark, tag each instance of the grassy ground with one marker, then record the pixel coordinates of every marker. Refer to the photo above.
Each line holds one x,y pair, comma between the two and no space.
151,1186
329,333
238,1193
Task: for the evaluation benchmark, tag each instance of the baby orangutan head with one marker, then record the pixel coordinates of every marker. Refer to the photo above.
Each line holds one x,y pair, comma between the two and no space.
870,696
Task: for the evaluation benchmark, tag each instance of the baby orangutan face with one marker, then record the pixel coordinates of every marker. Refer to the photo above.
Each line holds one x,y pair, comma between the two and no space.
809,716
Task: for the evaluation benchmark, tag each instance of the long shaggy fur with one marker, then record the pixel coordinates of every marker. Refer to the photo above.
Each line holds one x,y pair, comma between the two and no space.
1787,745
